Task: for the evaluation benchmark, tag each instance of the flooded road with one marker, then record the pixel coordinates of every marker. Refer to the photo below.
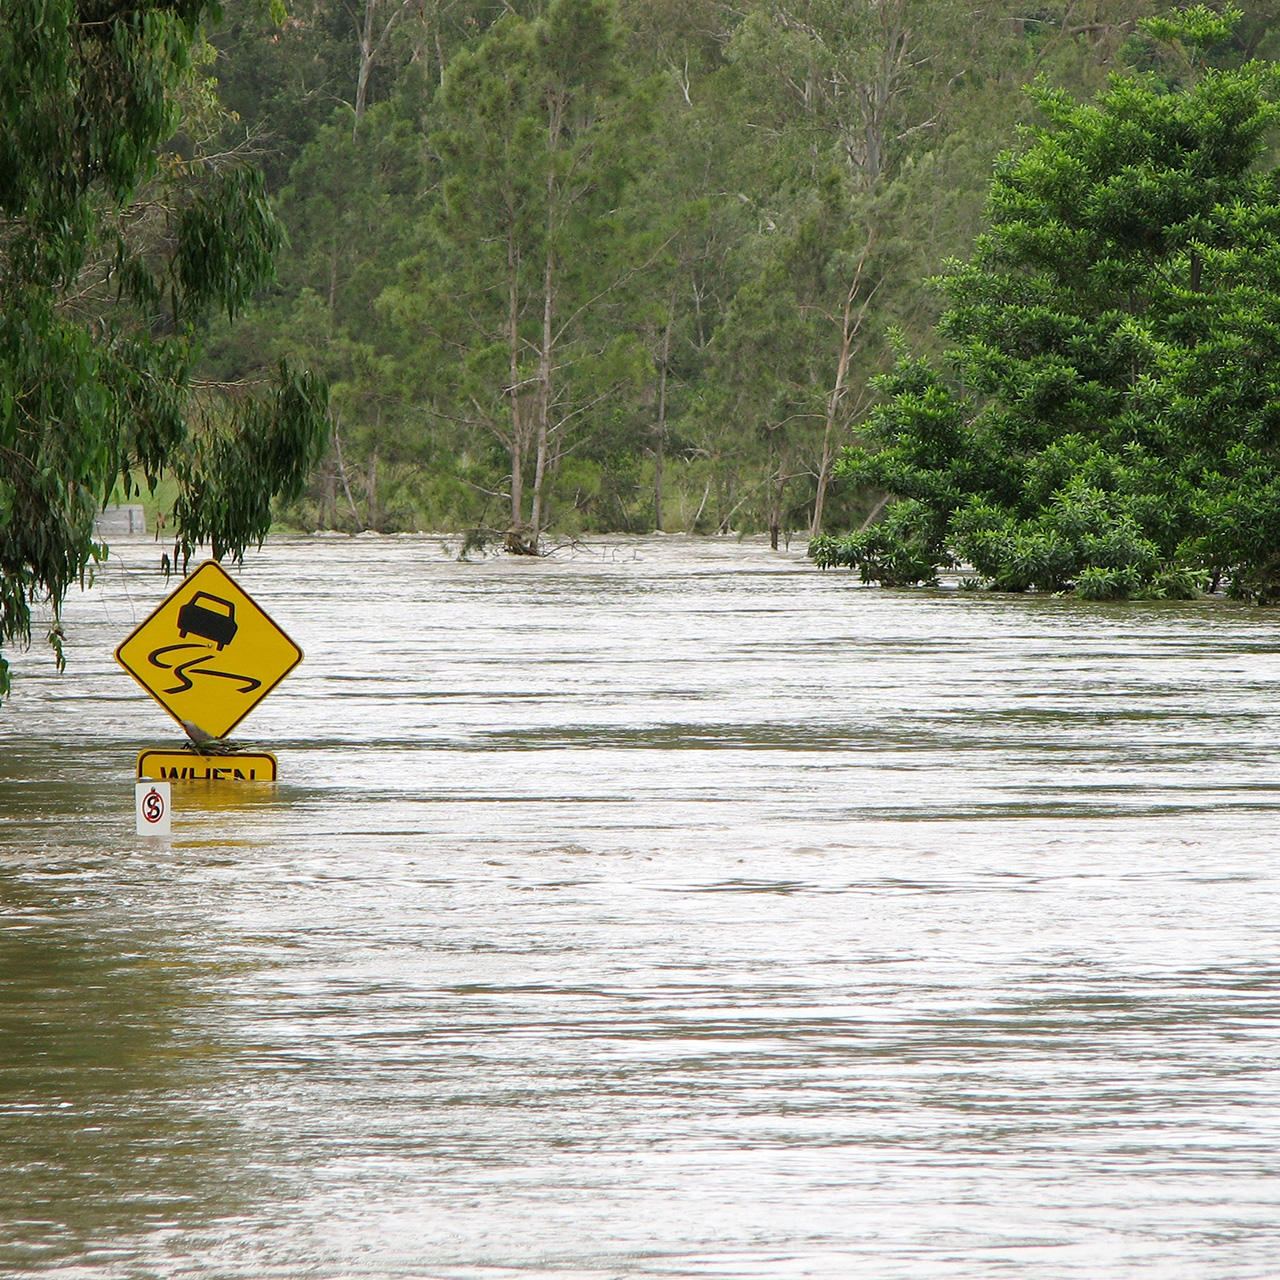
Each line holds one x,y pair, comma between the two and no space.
664,909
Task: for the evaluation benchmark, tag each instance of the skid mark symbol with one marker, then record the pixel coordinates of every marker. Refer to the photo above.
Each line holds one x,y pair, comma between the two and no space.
180,669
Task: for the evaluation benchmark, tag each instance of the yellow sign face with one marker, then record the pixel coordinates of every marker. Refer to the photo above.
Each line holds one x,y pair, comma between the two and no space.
208,655
189,766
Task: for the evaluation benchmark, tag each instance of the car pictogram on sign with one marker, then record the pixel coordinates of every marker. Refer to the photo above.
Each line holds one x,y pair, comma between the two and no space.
209,624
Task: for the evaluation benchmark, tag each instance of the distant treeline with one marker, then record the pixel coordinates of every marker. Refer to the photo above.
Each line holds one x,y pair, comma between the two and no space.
584,265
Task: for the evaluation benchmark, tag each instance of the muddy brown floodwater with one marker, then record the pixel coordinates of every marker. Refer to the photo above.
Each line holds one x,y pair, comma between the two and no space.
667,908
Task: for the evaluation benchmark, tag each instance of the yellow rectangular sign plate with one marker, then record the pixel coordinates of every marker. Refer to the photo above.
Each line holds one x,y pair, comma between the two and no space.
187,766
209,654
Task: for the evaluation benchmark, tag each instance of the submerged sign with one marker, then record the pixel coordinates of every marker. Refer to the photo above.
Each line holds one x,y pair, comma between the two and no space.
151,803
208,655
189,766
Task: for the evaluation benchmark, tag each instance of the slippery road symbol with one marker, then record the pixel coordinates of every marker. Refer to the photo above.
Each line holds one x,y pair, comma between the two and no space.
191,667
216,625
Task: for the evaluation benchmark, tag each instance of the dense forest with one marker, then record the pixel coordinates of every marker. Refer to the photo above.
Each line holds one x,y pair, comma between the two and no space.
576,266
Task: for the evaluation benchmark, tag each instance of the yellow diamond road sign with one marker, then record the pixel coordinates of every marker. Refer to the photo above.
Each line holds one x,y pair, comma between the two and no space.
209,654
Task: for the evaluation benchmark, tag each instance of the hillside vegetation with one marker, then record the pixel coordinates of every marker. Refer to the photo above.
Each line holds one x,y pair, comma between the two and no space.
584,266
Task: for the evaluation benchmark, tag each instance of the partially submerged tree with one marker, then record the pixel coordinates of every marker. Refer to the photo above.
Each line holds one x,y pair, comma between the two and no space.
789,351
540,140
111,258
1110,422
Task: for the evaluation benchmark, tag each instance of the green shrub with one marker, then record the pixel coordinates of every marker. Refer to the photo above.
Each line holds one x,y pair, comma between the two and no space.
1097,583
903,550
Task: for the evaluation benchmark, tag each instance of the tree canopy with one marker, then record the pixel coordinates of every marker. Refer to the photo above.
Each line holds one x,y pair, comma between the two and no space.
536,146
120,234
710,185
573,265
1106,415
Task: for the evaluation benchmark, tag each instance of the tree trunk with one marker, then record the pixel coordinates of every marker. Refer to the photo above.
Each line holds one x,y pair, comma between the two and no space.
775,515
660,442
372,489
824,475
364,36
370,48
362,85
329,497
342,473
517,425
544,359
706,493
544,398
850,326
833,408
517,482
